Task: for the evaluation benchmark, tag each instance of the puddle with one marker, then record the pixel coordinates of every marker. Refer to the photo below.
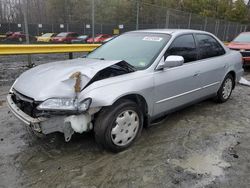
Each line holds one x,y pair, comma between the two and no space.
209,164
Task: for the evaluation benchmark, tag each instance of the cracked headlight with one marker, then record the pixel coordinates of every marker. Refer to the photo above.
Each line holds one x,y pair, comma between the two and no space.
11,89
84,105
65,104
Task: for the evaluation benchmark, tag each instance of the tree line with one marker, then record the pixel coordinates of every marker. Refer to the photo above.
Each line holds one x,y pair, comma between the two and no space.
118,11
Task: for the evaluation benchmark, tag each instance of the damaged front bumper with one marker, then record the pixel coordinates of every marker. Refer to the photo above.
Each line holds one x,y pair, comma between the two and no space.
61,123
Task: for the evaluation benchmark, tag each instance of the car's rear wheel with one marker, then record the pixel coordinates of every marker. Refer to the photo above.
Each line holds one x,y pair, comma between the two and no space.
118,126
226,89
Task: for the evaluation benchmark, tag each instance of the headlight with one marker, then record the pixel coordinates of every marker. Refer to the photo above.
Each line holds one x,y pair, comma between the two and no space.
11,89
84,105
65,104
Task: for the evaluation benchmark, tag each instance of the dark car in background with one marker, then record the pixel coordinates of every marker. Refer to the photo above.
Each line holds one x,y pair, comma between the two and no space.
9,33
80,39
64,37
99,38
242,44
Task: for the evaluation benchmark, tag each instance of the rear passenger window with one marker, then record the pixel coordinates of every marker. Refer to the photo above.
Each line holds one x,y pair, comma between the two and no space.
74,35
208,46
183,46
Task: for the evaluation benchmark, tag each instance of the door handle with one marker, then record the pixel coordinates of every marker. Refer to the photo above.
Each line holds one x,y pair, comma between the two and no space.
196,74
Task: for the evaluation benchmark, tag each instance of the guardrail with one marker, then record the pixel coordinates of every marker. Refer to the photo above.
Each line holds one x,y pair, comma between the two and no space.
22,49
45,48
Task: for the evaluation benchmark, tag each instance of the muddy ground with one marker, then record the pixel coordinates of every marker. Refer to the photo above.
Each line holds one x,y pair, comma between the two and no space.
205,145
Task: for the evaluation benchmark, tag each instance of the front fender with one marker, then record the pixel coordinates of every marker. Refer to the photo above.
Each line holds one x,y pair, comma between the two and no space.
106,92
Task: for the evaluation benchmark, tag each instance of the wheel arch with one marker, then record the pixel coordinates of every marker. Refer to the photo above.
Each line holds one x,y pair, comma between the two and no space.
138,99
234,77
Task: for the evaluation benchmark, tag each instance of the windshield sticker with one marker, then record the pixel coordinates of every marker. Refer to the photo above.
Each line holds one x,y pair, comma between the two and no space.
154,39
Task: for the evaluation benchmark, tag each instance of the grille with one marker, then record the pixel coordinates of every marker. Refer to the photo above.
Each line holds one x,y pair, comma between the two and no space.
26,104
245,53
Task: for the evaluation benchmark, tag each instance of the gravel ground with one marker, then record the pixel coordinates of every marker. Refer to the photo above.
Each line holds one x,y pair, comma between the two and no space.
12,66
204,145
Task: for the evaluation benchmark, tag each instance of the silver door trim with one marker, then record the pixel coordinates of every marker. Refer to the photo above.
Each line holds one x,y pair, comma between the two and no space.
188,92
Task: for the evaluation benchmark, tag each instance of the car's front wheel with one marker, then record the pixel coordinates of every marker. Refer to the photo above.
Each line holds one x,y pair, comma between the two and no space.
118,126
226,89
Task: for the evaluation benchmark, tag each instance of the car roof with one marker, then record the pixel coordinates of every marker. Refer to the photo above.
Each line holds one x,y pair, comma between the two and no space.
68,32
170,31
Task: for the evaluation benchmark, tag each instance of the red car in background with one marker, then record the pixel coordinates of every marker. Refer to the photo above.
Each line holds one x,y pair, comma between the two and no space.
64,37
9,33
18,36
242,43
99,38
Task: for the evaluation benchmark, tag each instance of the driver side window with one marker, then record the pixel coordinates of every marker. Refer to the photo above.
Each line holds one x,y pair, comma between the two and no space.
183,46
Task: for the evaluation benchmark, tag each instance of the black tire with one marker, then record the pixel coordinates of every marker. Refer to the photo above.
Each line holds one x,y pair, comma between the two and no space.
106,121
221,97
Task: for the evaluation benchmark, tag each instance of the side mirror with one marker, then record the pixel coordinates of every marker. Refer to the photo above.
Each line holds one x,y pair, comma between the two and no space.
171,61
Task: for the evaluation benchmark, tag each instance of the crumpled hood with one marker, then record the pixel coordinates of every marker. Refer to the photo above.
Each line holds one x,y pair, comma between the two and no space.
53,79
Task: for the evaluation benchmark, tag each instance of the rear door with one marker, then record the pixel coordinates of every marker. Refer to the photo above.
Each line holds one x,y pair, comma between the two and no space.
177,86
212,63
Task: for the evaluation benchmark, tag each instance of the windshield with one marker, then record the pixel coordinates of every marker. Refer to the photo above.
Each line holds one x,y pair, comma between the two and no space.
98,36
47,35
244,37
62,35
137,49
83,37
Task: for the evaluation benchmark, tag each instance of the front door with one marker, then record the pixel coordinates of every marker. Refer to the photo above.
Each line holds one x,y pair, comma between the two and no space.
178,86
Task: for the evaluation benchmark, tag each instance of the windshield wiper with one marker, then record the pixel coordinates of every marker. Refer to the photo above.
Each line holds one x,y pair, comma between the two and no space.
99,58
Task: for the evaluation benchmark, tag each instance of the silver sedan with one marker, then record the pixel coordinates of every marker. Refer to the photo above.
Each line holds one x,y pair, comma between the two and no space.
127,83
